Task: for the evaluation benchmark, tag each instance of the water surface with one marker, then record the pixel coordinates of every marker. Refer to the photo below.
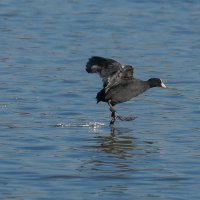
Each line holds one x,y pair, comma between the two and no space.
55,140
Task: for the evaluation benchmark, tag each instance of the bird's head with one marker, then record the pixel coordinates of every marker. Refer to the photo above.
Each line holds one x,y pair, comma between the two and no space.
156,82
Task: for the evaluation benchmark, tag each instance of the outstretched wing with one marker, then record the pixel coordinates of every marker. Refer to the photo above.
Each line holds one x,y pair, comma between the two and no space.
122,77
105,67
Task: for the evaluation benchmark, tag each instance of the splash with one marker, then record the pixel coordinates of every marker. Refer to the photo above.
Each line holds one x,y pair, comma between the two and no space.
92,125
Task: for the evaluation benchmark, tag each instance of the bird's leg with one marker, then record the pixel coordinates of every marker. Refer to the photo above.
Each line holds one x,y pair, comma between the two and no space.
115,116
113,113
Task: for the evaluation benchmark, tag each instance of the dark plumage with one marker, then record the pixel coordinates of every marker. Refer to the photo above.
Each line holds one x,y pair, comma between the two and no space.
119,84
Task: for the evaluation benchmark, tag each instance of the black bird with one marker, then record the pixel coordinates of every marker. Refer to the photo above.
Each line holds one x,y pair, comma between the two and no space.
119,84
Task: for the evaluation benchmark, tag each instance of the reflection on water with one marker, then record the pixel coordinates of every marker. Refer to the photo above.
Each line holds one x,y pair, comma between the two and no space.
119,143
55,141
119,151
122,162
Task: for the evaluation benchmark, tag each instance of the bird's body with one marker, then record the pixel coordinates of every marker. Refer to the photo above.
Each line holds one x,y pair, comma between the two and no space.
122,92
119,84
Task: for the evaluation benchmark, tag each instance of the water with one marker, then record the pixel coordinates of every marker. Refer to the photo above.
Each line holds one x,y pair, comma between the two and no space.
56,142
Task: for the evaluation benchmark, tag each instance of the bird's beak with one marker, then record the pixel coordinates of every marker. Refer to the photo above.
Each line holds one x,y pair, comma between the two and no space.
163,85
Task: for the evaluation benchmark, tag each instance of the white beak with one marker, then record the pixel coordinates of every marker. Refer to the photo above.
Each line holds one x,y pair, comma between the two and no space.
163,85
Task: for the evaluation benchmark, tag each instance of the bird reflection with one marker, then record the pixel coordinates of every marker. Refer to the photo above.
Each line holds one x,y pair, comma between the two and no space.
119,143
114,153
118,155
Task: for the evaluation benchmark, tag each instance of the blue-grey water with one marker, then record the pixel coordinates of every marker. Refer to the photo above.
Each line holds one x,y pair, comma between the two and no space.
55,141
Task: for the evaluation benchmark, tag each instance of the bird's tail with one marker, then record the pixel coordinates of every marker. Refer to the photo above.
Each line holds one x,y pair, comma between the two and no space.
101,96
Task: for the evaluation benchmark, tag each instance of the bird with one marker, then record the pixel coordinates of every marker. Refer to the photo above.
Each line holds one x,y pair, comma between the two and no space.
119,83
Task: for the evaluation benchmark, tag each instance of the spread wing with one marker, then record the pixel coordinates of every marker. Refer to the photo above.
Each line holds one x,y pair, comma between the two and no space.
123,76
105,67
111,71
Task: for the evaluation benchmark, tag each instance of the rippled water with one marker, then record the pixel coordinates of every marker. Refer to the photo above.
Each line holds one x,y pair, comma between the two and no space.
55,140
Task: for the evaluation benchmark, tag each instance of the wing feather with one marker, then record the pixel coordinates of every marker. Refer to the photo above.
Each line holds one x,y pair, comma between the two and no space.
111,71
121,77
105,67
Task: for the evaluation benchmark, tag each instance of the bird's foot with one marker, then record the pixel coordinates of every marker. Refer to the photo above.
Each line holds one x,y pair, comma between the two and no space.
114,116
112,122
126,118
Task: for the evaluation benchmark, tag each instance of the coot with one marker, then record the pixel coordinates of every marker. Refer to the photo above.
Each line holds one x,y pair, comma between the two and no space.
119,84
